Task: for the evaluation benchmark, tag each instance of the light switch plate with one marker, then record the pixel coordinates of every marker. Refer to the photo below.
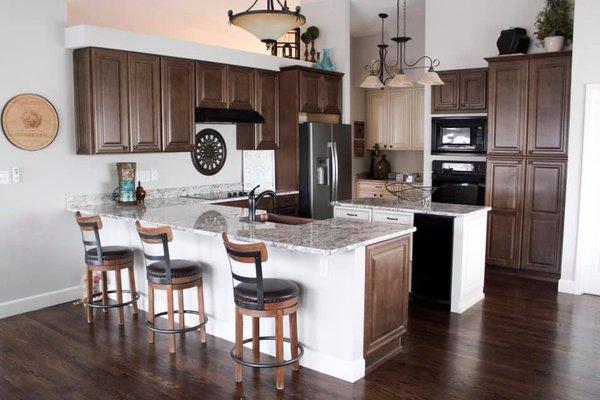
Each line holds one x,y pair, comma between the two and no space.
4,178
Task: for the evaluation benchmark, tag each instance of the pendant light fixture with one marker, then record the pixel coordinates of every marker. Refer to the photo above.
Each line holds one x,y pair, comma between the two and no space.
268,24
382,73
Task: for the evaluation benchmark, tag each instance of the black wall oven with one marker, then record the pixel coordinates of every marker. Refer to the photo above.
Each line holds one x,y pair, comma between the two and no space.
462,135
459,182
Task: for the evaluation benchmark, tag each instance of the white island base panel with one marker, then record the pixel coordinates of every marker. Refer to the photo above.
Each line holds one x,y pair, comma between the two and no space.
331,311
468,261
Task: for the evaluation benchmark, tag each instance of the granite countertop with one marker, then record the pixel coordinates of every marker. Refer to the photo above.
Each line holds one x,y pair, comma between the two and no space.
443,209
325,237
215,198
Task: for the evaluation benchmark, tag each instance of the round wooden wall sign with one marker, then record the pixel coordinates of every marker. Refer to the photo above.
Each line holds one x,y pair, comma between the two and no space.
30,122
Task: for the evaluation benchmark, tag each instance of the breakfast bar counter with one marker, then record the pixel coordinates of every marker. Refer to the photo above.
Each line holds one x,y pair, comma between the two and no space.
350,274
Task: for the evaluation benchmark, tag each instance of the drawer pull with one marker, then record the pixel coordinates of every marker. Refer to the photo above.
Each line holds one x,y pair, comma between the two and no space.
378,187
351,215
392,219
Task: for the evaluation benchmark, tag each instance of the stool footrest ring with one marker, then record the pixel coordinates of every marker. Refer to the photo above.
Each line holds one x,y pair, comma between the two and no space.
267,365
95,303
153,327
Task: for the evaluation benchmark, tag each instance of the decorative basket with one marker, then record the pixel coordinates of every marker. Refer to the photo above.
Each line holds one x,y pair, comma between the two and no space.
411,193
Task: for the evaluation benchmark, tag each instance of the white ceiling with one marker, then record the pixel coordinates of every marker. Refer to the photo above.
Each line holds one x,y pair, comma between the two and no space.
364,18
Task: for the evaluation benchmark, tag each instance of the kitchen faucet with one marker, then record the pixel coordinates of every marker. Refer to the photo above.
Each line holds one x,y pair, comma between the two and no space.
253,201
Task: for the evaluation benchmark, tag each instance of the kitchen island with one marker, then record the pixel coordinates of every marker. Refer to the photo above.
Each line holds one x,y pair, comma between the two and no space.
353,275
448,259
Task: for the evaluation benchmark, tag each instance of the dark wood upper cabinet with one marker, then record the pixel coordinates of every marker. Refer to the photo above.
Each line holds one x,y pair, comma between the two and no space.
507,117
144,102
473,90
211,85
543,215
386,299
262,136
331,95
463,91
84,123
240,82
109,88
445,98
178,103
504,181
549,97
310,91
267,104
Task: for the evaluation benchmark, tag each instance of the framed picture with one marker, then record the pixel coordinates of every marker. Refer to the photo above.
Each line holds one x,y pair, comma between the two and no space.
359,148
359,130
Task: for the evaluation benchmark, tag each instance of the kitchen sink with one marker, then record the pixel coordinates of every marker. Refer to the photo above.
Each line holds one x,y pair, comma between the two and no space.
283,219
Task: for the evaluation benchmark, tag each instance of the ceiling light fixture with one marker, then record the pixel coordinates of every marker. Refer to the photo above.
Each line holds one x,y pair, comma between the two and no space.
269,24
381,73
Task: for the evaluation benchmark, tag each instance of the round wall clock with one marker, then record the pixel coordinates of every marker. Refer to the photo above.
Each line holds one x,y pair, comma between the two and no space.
30,122
210,152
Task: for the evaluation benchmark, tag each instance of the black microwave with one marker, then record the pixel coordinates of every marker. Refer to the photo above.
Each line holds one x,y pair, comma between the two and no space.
459,135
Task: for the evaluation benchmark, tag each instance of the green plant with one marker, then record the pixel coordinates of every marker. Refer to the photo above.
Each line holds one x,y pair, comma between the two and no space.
312,33
555,19
305,37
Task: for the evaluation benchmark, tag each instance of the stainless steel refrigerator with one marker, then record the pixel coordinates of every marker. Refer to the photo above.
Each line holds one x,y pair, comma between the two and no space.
325,168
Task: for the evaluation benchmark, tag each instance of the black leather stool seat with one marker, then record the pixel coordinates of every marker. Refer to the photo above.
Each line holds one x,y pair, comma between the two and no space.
275,291
109,253
179,269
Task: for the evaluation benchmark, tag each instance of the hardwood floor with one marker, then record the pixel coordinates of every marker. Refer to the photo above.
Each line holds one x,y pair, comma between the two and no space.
524,341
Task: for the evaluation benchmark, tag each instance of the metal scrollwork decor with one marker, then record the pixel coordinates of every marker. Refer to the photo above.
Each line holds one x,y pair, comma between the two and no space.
210,152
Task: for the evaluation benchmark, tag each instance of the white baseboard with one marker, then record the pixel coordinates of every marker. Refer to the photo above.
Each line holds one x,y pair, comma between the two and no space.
31,303
567,286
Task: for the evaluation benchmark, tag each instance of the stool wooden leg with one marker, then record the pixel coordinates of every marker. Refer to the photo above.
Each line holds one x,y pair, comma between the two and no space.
256,338
150,314
171,315
133,289
201,314
280,374
104,290
90,296
239,345
119,295
181,309
294,339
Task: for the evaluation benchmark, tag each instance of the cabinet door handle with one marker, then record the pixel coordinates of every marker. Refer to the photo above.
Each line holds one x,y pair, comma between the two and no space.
392,219
378,187
125,147
351,215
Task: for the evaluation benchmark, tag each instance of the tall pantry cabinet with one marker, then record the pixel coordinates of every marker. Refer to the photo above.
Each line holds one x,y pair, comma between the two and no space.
526,163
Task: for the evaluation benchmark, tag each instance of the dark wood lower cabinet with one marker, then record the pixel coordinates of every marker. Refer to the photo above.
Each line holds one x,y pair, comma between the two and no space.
525,226
386,299
543,216
505,183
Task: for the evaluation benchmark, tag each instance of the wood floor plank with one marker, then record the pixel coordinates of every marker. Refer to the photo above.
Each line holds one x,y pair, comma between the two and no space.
524,341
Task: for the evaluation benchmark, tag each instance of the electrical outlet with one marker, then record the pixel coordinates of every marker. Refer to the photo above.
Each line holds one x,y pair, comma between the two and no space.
4,178
154,175
16,174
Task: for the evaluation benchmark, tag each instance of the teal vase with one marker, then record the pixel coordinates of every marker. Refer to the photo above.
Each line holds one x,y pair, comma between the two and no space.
326,63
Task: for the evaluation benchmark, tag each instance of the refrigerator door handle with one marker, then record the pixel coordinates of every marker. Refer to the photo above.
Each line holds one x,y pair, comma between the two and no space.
334,171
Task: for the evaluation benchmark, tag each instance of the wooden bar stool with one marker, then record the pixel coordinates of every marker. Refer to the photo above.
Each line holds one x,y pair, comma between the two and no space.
105,259
170,275
262,298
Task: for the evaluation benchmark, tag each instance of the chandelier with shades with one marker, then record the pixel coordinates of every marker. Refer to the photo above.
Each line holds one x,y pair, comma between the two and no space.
268,24
384,73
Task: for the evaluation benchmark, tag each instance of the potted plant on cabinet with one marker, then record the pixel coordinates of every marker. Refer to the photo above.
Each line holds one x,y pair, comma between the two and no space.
554,24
